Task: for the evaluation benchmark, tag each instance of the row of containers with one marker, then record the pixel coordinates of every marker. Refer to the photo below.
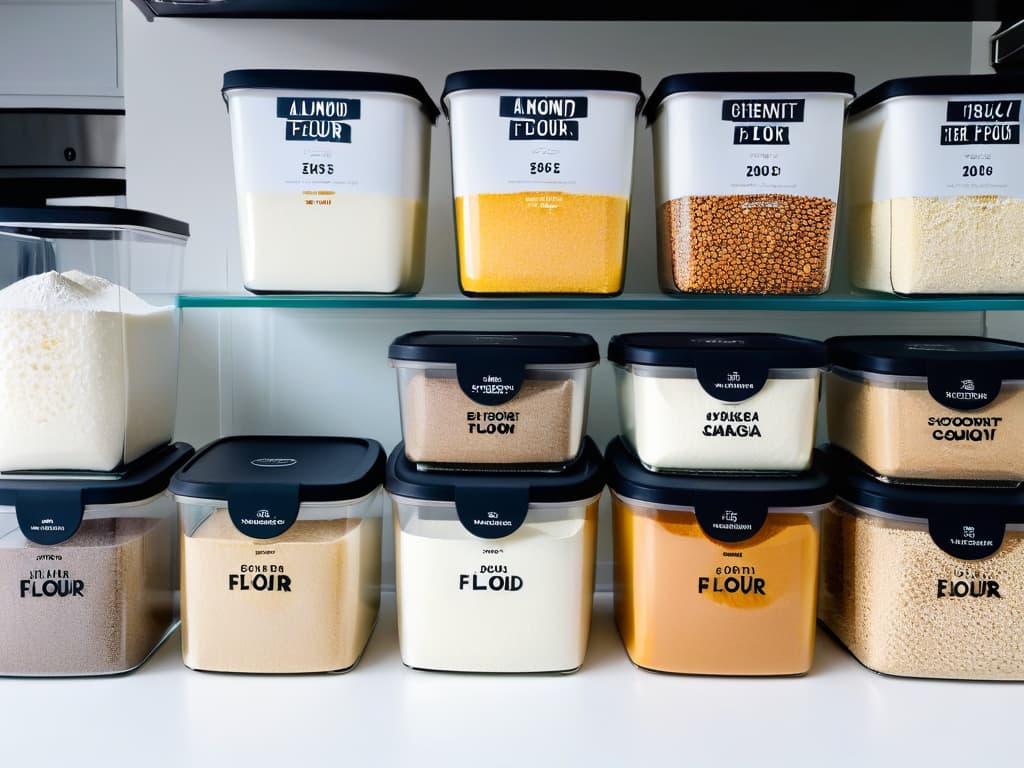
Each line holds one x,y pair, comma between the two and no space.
331,175
733,533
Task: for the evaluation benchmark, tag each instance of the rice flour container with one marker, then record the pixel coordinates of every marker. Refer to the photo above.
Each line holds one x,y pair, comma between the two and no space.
542,165
716,574
929,407
495,571
718,401
280,553
926,580
479,400
746,171
88,336
331,174
89,569
934,178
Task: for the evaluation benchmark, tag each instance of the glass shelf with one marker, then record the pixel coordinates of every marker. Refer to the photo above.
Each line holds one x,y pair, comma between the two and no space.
842,302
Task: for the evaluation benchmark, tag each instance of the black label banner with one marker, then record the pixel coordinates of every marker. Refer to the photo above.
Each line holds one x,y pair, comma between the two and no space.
761,134
763,110
730,522
534,107
50,518
962,388
989,111
490,378
729,378
264,511
967,541
976,133
319,109
492,513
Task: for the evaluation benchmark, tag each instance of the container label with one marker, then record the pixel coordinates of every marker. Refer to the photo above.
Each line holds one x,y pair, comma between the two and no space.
762,116
259,577
732,580
490,379
50,581
492,513
314,119
972,540
490,578
730,380
732,424
49,517
543,118
264,510
962,388
981,122
730,522
966,581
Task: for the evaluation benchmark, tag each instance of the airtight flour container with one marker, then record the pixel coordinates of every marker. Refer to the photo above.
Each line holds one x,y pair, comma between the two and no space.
716,574
925,580
934,178
478,400
88,569
542,164
280,554
718,401
331,173
746,170
495,571
88,336
929,407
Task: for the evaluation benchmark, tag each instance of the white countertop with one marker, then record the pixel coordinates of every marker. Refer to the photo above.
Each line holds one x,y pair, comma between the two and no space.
607,714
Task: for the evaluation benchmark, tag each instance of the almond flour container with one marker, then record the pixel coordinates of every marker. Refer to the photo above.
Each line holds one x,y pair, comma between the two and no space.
925,580
495,571
718,402
542,165
746,170
478,401
929,407
716,574
934,179
88,569
331,173
280,564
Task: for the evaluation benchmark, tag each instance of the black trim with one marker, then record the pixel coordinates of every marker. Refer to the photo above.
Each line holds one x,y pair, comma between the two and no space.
688,350
527,347
543,80
103,217
938,85
896,355
58,111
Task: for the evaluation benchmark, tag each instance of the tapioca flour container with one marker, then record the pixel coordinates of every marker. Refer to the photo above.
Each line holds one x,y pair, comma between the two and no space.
280,563
493,400
88,569
88,336
928,407
925,580
934,178
746,171
495,571
716,574
542,165
729,402
331,174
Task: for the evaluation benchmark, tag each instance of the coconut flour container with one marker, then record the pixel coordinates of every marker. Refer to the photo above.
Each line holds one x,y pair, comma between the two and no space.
474,400
929,407
88,569
281,553
331,173
716,574
746,168
542,164
718,401
495,571
926,581
934,178
88,336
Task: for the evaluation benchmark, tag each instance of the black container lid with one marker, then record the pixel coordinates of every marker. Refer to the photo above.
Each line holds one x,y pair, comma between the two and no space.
938,85
532,347
748,82
915,355
688,350
49,511
92,216
328,80
543,80
274,475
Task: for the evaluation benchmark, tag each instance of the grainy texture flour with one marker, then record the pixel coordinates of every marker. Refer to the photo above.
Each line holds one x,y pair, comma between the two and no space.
97,604
880,596
305,601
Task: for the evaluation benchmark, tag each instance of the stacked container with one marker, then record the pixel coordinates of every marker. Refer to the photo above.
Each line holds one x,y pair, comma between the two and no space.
495,490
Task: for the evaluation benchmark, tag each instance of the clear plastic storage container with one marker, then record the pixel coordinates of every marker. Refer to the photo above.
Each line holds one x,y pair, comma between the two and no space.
926,580
495,571
934,181
281,553
89,569
746,172
718,401
331,175
929,407
88,336
542,166
715,574
493,400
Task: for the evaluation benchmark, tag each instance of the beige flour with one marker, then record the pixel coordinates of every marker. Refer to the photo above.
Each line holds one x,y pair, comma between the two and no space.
879,596
320,624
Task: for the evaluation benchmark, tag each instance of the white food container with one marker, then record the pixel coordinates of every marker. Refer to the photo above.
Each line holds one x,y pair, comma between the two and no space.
331,172
709,402
495,571
746,170
934,178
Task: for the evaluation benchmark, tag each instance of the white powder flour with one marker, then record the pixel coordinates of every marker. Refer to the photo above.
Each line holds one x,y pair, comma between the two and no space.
88,374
